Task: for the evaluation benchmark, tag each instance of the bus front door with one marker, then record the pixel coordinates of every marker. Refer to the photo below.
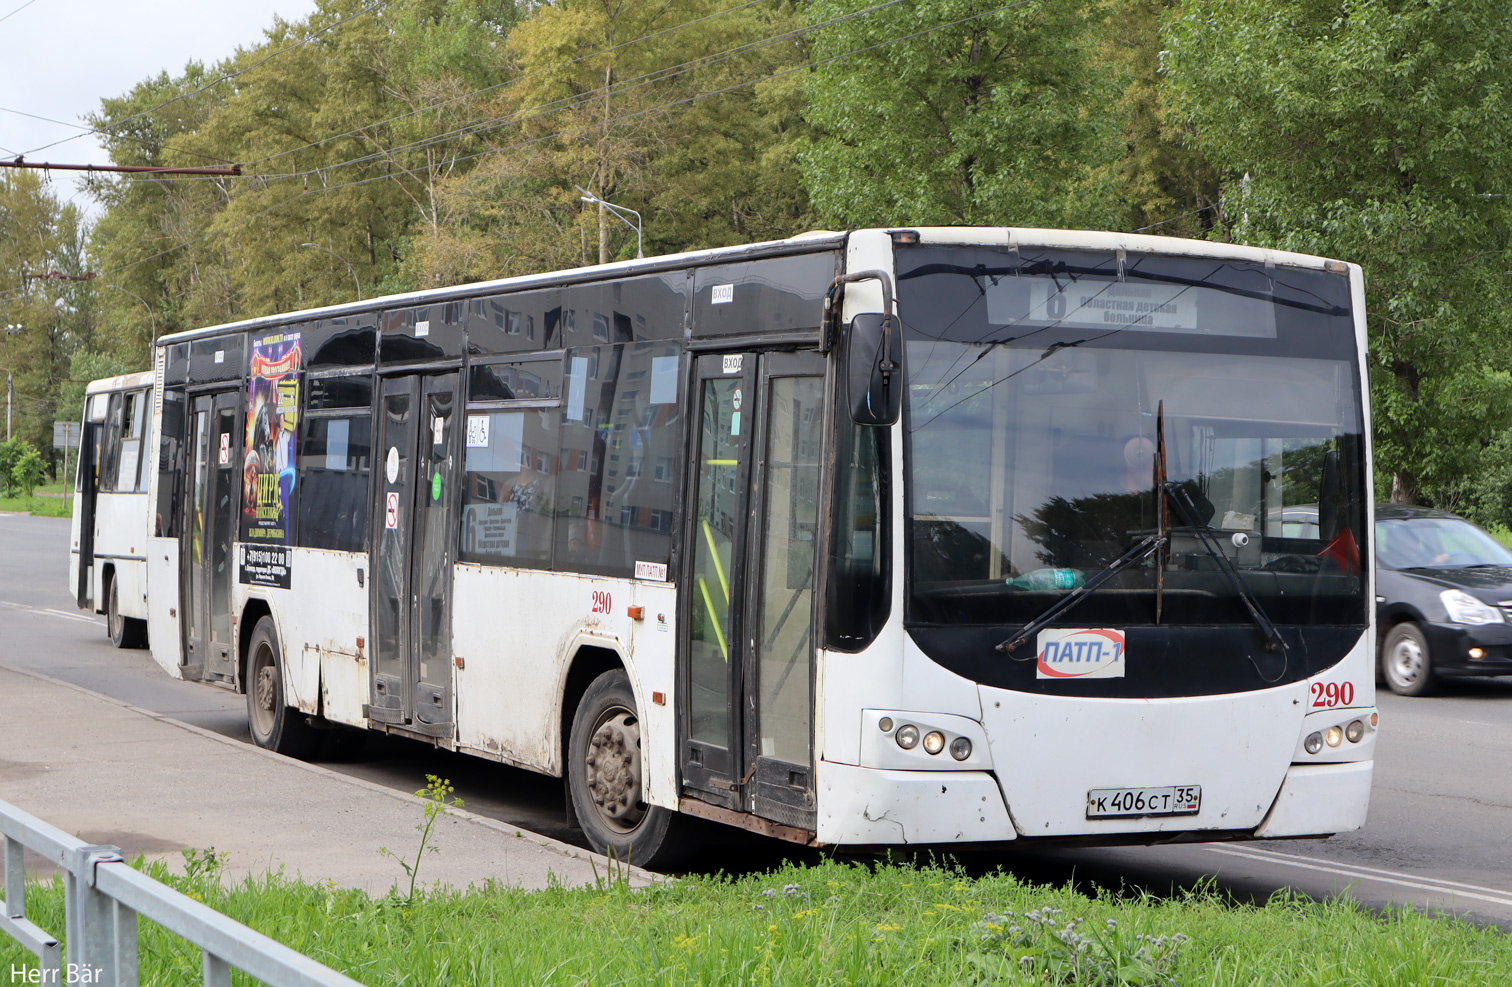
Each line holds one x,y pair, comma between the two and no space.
747,655
414,517
214,497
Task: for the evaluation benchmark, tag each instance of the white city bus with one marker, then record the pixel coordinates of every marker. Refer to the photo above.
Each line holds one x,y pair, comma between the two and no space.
107,564
935,536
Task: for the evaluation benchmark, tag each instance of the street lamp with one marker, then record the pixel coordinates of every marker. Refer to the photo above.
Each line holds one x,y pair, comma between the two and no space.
592,199
344,261
139,298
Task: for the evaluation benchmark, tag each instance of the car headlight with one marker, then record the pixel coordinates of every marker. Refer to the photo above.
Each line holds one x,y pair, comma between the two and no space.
1466,609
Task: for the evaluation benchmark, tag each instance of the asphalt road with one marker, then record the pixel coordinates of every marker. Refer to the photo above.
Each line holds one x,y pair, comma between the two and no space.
1435,838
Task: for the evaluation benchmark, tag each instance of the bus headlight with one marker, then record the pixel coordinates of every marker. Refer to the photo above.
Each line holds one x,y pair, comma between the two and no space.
934,741
1354,732
960,748
1334,736
908,736
1313,743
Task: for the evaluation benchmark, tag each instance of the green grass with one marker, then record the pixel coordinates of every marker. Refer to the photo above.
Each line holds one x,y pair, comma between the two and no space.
1501,533
40,506
834,924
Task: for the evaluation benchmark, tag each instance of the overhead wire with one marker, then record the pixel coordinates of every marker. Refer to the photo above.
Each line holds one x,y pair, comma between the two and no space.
225,78
805,66
617,88
18,10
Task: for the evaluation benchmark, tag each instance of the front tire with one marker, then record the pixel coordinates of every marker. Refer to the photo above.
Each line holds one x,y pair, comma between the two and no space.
125,632
1405,662
604,780
274,724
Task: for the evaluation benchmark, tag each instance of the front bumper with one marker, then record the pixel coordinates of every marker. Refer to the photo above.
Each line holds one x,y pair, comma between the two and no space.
1449,647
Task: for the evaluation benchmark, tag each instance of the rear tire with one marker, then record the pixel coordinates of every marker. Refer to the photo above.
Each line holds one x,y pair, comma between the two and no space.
604,780
1405,662
125,632
274,724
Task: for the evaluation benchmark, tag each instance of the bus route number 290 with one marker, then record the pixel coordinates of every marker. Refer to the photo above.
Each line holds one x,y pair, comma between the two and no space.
602,601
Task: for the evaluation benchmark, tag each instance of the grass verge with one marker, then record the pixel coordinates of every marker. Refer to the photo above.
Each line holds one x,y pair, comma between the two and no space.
834,924
40,506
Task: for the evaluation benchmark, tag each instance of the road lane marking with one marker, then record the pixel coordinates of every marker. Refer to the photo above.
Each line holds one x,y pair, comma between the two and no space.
1454,889
86,618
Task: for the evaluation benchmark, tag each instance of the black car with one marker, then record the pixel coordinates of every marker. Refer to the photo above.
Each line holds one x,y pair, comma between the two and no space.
1443,599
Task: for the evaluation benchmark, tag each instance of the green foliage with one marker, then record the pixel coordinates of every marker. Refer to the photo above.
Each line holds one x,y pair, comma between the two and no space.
1375,131
438,797
28,472
1004,119
829,925
11,451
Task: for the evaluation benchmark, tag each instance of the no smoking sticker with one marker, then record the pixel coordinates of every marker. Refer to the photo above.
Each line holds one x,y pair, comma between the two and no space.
391,511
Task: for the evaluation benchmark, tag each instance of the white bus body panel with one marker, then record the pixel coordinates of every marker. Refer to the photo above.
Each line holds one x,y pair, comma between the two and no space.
164,635
320,618
1050,751
120,546
516,638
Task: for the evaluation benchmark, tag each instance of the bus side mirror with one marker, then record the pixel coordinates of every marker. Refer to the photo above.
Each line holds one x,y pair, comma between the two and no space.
874,380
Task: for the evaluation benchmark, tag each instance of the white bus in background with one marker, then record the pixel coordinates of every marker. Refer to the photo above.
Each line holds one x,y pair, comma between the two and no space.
107,563
936,536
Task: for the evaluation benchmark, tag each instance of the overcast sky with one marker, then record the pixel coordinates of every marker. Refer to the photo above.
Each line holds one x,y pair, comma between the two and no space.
59,58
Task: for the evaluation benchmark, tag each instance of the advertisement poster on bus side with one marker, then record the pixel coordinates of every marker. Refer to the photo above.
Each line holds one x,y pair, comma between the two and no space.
272,422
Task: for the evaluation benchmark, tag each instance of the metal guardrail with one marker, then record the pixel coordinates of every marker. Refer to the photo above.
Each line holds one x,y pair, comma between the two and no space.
103,896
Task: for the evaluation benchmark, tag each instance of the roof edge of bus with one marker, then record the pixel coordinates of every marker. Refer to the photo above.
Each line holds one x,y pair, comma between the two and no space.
120,382
799,243
1013,236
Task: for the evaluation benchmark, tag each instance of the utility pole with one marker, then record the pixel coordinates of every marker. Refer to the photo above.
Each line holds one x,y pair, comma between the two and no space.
9,392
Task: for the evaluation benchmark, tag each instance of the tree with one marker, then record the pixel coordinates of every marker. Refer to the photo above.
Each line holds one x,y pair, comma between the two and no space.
1376,131
962,112
679,110
29,472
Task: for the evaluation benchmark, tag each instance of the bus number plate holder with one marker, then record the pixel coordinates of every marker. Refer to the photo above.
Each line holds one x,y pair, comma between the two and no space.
1123,803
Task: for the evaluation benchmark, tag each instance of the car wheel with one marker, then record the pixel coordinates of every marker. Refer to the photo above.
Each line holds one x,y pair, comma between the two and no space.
274,725
1405,663
604,779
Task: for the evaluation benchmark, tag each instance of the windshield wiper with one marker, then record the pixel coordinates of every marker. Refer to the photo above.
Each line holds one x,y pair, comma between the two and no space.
1138,553
1178,495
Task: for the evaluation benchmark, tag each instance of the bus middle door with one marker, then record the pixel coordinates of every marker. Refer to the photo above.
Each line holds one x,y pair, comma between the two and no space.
414,517
748,612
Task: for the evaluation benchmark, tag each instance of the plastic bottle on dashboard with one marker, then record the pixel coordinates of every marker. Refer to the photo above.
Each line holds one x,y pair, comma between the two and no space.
1048,579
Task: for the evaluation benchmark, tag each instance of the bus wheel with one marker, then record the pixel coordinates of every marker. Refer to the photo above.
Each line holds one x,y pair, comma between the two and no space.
125,632
604,779
275,726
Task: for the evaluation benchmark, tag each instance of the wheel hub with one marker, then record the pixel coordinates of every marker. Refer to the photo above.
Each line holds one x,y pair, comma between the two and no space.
264,688
1407,660
614,772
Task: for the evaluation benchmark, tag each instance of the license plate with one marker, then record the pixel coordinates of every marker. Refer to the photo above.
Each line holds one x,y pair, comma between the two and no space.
1111,803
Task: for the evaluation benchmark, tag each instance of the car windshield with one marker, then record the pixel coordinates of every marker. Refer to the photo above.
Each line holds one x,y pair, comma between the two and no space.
1040,388
1426,542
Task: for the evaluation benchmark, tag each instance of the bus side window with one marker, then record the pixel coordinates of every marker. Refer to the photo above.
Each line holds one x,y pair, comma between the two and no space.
512,462
130,476
110,445
335,464
170,465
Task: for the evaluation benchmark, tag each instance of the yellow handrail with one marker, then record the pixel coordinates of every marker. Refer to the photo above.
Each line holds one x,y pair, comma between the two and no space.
703,587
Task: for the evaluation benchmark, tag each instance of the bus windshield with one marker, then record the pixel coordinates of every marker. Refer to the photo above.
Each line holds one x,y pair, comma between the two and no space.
1041,387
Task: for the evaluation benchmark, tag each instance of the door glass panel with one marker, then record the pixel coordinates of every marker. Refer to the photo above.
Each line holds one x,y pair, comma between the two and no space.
784,647
390,633
433,566
710,640
223,500
198,603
